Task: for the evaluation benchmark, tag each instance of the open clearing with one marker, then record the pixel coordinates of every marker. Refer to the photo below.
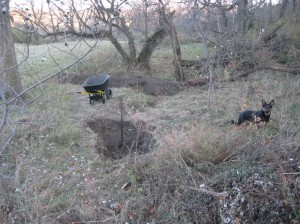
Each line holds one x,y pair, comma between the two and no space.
178,161
209,149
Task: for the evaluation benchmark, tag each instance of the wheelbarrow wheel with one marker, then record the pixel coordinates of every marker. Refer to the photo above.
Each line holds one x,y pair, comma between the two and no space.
108,94
103,99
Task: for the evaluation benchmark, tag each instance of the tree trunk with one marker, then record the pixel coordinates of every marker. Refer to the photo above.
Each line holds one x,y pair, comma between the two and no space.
224,18
270,6
294,5
143,60
119,48
283,8
176,49
130,38
242,16
9,72
177,55
146,4
199,29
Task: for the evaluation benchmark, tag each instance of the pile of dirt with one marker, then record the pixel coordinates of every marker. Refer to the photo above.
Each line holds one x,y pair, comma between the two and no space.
136,138
146,84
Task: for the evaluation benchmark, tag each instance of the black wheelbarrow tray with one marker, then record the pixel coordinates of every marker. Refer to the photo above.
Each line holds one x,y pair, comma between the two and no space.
96,87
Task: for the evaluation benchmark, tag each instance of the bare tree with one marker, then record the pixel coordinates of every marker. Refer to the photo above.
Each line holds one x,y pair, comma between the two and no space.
10,81
167,19
9,72
86,22
196,13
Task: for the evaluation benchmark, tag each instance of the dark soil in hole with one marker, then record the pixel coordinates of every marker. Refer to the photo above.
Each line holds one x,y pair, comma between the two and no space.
146,84
136,138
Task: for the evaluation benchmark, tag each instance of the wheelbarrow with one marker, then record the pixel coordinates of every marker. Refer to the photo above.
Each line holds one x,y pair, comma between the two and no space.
96,87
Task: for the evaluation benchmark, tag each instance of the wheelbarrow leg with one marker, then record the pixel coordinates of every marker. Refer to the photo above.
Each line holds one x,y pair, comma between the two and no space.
91,101
103,98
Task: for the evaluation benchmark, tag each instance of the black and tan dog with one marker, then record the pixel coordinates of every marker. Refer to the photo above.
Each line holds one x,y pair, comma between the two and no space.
259,118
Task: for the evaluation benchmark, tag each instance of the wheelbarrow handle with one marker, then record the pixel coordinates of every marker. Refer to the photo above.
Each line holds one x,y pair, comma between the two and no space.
95,93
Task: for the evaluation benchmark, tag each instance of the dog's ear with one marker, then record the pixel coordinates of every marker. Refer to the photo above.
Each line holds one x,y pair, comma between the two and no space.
272,103
263,102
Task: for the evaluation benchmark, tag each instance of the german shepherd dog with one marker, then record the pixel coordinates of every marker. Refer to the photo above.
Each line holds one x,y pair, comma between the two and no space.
259,118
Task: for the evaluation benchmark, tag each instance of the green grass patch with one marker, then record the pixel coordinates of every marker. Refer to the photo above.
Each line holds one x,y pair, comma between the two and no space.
134,100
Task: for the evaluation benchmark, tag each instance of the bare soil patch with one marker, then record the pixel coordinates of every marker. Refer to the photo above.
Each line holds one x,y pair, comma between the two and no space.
146,84
136,138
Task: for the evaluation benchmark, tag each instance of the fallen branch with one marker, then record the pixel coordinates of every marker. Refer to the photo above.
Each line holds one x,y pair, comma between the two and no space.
294,71
204,62
197,82
270,35
204,81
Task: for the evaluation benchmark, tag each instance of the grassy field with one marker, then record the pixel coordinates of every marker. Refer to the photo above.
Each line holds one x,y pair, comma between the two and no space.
41,61
201,169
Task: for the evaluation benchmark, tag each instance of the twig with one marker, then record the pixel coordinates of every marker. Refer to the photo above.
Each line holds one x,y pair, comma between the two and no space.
215,194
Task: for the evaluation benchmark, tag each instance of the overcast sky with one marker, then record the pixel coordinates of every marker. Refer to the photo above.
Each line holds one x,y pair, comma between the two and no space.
25,2
38,3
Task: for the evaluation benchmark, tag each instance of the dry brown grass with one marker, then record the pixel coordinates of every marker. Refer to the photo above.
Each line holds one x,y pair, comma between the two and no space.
203,170
210,171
